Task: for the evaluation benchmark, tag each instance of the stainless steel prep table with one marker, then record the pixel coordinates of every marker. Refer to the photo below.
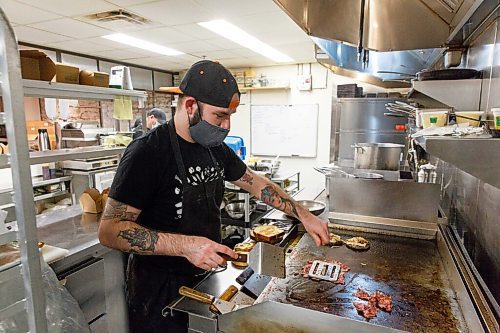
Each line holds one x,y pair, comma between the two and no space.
93,274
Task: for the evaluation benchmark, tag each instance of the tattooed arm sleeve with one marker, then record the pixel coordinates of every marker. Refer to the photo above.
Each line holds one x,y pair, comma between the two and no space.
270,193
119,230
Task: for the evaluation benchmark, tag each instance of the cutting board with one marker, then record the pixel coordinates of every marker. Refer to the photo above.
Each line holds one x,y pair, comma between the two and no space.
52,253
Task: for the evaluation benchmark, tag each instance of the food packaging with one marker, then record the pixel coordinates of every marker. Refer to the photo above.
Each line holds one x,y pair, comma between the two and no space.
469,114
91,201
496,117
434,119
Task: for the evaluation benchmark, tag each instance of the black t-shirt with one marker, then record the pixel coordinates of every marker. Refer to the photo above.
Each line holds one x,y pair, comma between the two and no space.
147,176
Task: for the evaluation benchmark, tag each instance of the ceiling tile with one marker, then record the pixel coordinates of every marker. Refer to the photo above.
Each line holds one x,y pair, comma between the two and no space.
35,36
122,54
72,8
222,43
80,46
217,55
129,2
163,36
227,9
23,14
173,12
71,27
195,46
194,30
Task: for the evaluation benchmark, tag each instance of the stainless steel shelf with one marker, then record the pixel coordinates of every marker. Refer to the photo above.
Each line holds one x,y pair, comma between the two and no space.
13,309
4,161
51,195
477,156
8,237
39,157
2,118
38,88
42,182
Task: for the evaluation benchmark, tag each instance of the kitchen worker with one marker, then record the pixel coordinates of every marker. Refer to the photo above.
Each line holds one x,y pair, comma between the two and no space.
154,118
169,216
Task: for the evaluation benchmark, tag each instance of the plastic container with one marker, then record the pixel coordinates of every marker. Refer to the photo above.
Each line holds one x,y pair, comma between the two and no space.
237,144
434,119
496,117
469,114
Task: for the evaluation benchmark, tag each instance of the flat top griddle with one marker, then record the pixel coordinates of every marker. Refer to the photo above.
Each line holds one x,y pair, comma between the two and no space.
410,270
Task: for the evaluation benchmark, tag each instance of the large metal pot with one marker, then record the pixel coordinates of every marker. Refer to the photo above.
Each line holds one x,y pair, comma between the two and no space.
377,156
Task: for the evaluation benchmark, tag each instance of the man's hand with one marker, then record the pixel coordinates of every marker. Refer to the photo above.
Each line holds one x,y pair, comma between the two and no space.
317,228
274,196
203,252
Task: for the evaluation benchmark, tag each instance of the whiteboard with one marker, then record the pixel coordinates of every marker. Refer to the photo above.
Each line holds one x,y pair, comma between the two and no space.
285,130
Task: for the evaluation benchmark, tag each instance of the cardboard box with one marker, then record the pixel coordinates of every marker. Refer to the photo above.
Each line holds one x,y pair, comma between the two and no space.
36,65
101,79
98,79
66,74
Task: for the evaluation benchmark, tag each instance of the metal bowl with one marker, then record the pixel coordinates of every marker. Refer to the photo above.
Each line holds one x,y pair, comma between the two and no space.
236,209
315,207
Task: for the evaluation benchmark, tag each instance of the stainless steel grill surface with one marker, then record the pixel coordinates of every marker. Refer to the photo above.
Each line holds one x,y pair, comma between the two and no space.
410,270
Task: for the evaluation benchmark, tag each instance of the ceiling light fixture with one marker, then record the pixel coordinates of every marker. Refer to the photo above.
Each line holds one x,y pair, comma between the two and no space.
142,44
232,32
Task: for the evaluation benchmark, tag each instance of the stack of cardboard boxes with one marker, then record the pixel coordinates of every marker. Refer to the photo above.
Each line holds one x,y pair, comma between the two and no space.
36,65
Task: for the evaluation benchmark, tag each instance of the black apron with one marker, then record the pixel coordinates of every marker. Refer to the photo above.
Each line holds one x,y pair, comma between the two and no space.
153,281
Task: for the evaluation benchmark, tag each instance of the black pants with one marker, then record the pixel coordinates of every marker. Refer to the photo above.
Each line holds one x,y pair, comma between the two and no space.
149,291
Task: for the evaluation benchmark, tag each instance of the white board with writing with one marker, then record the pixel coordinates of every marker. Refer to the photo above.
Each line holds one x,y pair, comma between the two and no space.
285,130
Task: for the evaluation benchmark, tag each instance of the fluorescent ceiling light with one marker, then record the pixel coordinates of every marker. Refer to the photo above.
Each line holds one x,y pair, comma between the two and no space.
142,44
232,32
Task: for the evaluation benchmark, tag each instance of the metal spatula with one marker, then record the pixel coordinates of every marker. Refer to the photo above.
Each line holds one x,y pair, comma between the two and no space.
265,259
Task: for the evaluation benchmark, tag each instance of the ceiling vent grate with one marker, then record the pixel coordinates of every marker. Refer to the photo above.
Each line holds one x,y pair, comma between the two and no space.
119,15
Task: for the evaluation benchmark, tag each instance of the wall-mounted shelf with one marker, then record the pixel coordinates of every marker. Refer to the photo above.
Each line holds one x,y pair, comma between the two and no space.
36,88
463,95
39,157
267,88
477,156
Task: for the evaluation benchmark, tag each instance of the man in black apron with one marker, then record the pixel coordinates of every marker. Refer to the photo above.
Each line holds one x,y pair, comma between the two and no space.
164,204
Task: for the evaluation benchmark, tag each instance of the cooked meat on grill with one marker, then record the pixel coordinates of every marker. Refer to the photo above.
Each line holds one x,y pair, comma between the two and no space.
370,312
361,294
357,243
335,240
377,299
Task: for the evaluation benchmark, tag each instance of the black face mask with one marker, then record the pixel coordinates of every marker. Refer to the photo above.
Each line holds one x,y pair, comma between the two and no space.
206,134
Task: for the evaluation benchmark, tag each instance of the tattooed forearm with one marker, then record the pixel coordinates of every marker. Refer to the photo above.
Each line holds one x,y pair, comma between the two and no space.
116,210
272,197
140,239
247,178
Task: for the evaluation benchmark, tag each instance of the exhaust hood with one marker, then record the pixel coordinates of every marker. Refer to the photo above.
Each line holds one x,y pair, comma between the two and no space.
388,39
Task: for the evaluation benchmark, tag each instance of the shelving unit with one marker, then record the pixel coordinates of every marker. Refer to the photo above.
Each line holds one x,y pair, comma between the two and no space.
48,156
31,309
473,155
266,88
6,195
2,118
36,88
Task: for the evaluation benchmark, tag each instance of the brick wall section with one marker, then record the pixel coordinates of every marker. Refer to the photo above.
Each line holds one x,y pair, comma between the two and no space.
89,110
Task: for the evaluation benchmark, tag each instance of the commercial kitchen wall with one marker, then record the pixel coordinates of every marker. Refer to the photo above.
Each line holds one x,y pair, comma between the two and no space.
472,205
323,93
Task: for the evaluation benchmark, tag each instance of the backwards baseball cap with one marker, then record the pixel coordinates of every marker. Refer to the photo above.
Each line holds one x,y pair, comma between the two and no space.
209,82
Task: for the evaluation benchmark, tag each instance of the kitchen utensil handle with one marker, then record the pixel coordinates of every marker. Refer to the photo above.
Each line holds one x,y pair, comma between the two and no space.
242,257
227,295
196,295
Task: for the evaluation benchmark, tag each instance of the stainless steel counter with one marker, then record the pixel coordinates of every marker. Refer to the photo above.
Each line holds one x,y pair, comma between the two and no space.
73,230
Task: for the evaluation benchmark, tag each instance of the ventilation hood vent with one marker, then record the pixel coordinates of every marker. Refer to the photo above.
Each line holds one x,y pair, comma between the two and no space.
382,25
383,42
119,15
